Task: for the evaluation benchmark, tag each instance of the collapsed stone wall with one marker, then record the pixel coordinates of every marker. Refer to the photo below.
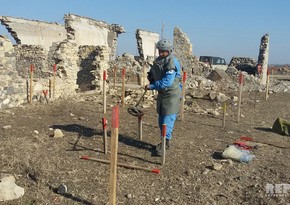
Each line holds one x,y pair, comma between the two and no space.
87,57
133,69
146,42
244,64
87,31
67,69
79,66
93,61
30,54
263,57
183,50
12,86
34,32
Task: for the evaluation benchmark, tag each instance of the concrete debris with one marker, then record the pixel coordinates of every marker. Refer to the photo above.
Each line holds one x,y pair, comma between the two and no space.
8,189
6,127
217,166
58,133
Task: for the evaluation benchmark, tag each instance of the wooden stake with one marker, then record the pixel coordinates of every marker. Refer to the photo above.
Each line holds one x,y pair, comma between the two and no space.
224,114
104,121
140,127
31,83
115,76
144,74
49,87
241,81
123,87
45,93
104,92
163,145
53,81
114,154
27,91
267,85
183,96
156,171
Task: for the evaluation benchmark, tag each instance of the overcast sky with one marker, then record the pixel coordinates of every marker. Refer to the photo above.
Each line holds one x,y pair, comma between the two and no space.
223,28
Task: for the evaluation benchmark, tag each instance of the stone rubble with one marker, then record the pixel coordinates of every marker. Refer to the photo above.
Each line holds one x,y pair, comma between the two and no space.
81,60
8,189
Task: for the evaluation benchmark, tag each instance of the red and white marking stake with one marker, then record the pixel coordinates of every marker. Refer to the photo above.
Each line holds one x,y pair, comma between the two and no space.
31,83
267,84
144,73
123,87
224,113
163,145
114,155
104,122
104,92
45,93
140,127
241,81
115,76
183,96
53,81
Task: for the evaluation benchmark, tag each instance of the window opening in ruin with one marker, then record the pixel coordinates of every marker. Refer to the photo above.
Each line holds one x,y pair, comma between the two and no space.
4,32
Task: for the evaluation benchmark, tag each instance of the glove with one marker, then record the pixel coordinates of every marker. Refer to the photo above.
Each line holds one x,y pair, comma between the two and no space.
150,77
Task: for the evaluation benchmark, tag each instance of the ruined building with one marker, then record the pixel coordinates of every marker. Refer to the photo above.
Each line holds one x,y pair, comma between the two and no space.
71,58
81,50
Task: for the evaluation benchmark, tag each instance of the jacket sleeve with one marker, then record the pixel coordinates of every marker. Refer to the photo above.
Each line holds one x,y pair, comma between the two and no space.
165,82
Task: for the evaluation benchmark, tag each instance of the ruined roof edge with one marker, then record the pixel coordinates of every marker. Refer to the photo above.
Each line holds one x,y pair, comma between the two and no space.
115,27
4,18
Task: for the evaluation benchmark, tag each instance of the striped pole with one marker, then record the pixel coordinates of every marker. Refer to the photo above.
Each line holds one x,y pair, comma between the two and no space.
224,113
267,84
53,81
31,83
115,76
183,96
241,81
163,145
104,92
123,87
114,155
104,122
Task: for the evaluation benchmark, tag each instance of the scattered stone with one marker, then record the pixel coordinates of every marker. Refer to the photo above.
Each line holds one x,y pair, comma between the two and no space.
205,172
222,98
235,99
129,196
217,166
213,112
9,190
62,189
6,127
36,132
58,133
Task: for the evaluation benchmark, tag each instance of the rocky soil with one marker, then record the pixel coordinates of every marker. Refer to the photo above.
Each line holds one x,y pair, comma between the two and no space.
194,172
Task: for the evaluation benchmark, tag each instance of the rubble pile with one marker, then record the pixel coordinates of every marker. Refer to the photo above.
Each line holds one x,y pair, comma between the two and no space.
244,64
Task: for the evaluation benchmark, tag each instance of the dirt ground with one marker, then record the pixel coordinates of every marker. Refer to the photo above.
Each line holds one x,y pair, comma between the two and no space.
41,163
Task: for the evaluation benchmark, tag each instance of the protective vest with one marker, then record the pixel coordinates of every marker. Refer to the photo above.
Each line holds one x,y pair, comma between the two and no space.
168,99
